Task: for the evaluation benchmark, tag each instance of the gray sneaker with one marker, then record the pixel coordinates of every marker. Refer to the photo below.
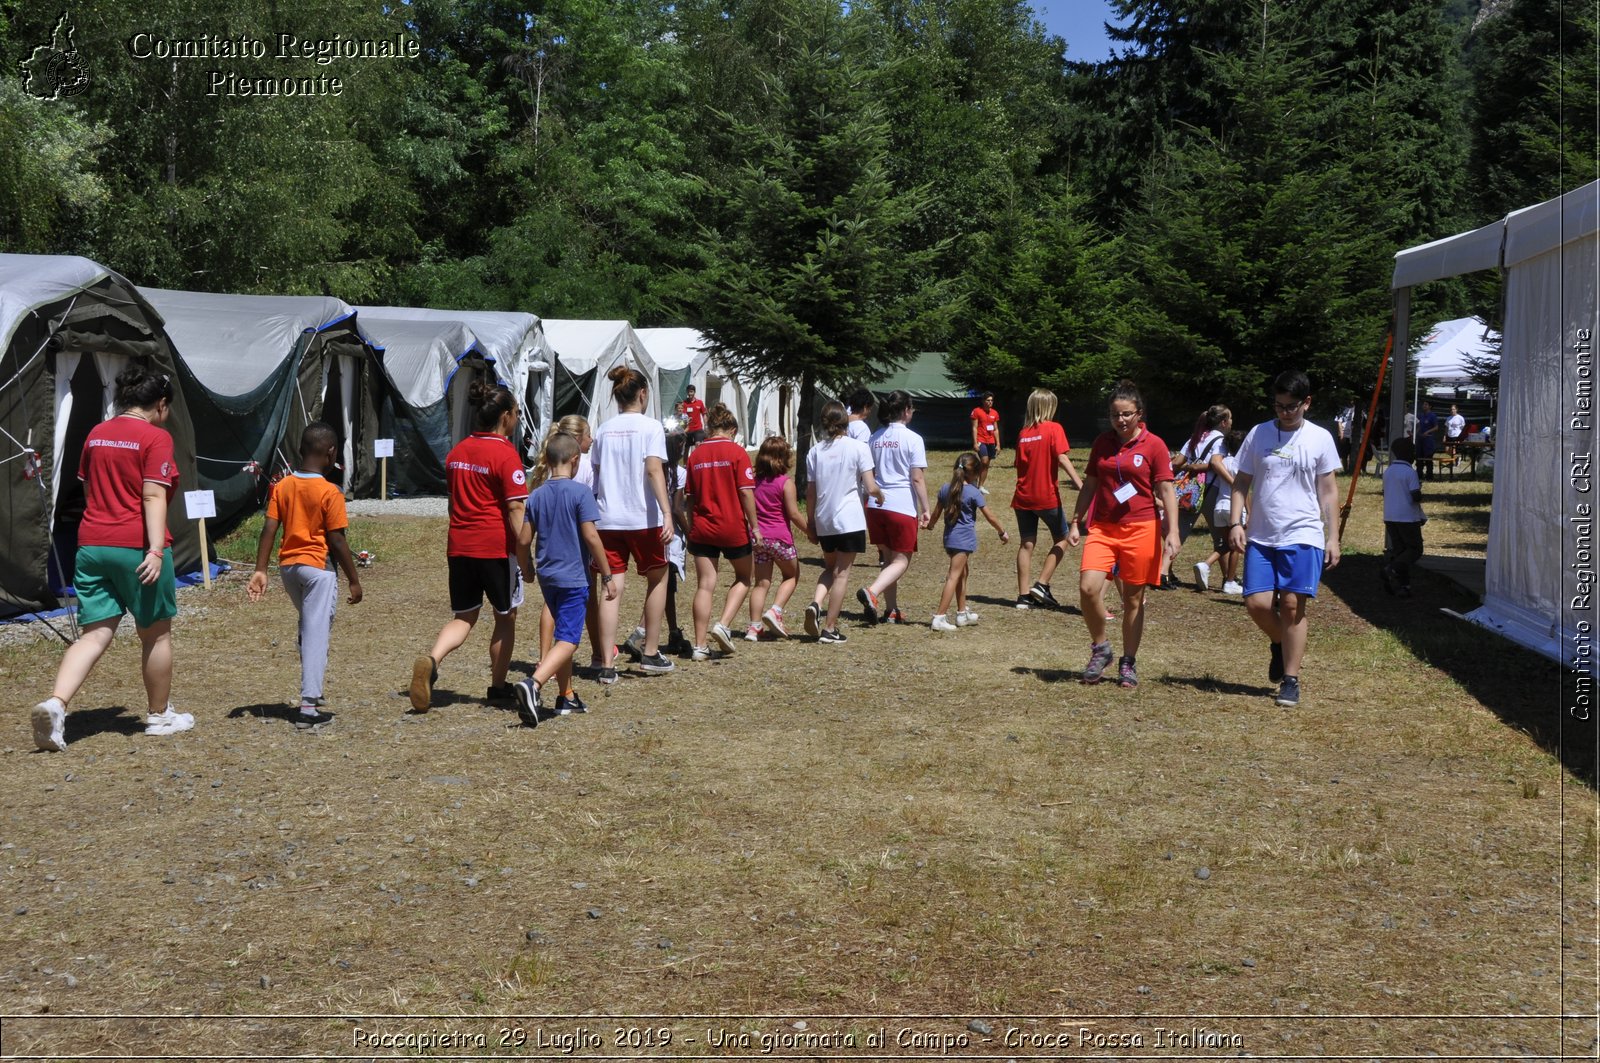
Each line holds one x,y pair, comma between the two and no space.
1099,658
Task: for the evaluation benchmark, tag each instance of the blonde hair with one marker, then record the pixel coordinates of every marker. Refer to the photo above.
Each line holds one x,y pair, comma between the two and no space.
570,425
1041,406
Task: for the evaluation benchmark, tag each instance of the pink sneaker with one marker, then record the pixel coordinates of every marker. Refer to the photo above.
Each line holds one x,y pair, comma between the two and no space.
773,619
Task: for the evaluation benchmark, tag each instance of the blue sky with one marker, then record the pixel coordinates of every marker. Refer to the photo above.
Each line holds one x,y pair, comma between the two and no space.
1079,22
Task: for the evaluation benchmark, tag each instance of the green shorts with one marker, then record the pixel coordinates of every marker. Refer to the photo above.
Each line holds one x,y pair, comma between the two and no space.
108,586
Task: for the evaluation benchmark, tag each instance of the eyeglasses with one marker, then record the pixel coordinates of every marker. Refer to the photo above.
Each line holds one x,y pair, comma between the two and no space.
1288,407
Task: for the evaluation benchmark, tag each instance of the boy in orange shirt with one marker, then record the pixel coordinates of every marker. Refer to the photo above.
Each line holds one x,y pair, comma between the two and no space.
311,512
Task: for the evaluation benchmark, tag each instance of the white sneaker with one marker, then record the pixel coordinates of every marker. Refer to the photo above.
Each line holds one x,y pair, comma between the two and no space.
752,633
722,637
966,618
169,722
940,623
50,726
1233,586
700,653
1202,576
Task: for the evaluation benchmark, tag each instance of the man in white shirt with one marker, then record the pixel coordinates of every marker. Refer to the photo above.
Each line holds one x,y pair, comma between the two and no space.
1456,426
1286,481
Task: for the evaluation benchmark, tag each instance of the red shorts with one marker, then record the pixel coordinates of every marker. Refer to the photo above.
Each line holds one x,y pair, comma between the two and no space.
892,531
1135,549
644,546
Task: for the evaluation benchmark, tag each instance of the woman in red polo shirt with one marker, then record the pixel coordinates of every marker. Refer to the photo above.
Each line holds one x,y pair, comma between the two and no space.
124,562
1127,467
1042,450
721,496
488,542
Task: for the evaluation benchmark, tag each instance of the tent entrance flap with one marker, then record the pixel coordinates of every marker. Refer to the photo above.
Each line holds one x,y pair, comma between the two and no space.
572,392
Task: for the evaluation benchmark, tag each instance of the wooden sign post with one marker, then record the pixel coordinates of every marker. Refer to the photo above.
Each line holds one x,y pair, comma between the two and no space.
200,505
383,450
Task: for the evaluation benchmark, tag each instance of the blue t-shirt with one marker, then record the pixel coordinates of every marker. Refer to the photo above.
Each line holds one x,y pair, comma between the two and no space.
962,533
555,510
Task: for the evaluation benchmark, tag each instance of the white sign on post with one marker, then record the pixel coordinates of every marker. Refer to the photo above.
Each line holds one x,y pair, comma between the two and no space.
383,448
200,504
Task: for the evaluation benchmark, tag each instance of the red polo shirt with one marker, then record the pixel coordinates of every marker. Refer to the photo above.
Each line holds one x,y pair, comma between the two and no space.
483,473
1143,462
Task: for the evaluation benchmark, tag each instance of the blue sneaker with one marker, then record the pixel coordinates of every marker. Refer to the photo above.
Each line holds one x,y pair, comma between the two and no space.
1099,658
1288,692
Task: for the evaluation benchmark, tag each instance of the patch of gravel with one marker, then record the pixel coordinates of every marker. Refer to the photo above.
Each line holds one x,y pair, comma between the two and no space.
399,507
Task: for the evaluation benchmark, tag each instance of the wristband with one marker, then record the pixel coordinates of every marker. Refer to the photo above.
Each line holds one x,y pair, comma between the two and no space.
154,553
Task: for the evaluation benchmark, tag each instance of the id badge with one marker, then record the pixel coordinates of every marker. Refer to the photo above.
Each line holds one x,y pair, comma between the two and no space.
1123,493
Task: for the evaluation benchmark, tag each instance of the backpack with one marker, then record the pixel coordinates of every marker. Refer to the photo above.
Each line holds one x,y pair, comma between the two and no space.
1189,484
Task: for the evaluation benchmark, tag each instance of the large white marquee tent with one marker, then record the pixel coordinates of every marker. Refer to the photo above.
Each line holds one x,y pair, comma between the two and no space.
1541,524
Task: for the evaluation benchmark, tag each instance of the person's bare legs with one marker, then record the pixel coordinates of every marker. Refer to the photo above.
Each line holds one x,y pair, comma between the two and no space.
1024,567
887,585
837,579
81,657
453,635
1132,618
655,608
759,586
705,584
1058,550
156,663
609,610
1292,621
952,582
502,641
790,569
742,569
1092,603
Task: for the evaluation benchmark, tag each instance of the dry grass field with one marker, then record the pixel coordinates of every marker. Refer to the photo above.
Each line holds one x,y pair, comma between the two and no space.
916,844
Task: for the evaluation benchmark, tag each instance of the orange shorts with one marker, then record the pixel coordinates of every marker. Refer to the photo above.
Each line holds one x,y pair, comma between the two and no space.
1135,550
645,546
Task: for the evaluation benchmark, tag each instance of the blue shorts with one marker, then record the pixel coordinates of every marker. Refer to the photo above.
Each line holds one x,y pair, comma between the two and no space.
1296,569
987,450
568,606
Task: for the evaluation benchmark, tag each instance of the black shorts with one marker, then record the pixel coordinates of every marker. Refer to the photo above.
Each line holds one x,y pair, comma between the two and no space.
472,579
845,543
987,450
732,553
1028,523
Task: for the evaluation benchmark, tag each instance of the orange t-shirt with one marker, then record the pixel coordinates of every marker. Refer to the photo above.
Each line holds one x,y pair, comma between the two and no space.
308,507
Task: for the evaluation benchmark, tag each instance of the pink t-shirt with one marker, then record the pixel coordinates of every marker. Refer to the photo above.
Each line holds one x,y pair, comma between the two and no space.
770,516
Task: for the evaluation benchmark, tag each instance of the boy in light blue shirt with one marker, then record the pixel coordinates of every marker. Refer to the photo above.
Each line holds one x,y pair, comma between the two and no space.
562,514
1402,519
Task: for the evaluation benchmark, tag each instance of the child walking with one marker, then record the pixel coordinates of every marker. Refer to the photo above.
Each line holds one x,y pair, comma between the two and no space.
777,507
720,489
960,502
1221,489
1402,518
311,512
838,473
676,474
561,515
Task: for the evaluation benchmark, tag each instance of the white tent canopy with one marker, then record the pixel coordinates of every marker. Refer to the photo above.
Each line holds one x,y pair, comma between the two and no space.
596,347
513,341
1449,348
1541,529
233,343
419,357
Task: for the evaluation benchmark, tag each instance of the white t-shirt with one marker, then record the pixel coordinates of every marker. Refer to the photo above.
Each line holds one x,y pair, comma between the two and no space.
859,430
1206,447
896,450
1284,466
834,469
1455,427
1224,488
621,482
675,549
583,473
1399,480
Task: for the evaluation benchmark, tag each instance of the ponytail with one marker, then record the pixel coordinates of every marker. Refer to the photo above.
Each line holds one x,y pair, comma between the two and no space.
835,422
965,472
139,388
627,384
491,402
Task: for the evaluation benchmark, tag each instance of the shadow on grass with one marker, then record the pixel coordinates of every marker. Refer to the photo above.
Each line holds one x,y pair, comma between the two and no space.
1514,683
90,722
1461,499
272,710
1049,675
1210,684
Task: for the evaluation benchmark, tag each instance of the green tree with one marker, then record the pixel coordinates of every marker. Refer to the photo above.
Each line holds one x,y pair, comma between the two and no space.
1040,298
50,189
1249,250
809,268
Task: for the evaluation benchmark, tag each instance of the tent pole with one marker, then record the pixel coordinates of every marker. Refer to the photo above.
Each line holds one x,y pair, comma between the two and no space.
1402,348
1366,434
